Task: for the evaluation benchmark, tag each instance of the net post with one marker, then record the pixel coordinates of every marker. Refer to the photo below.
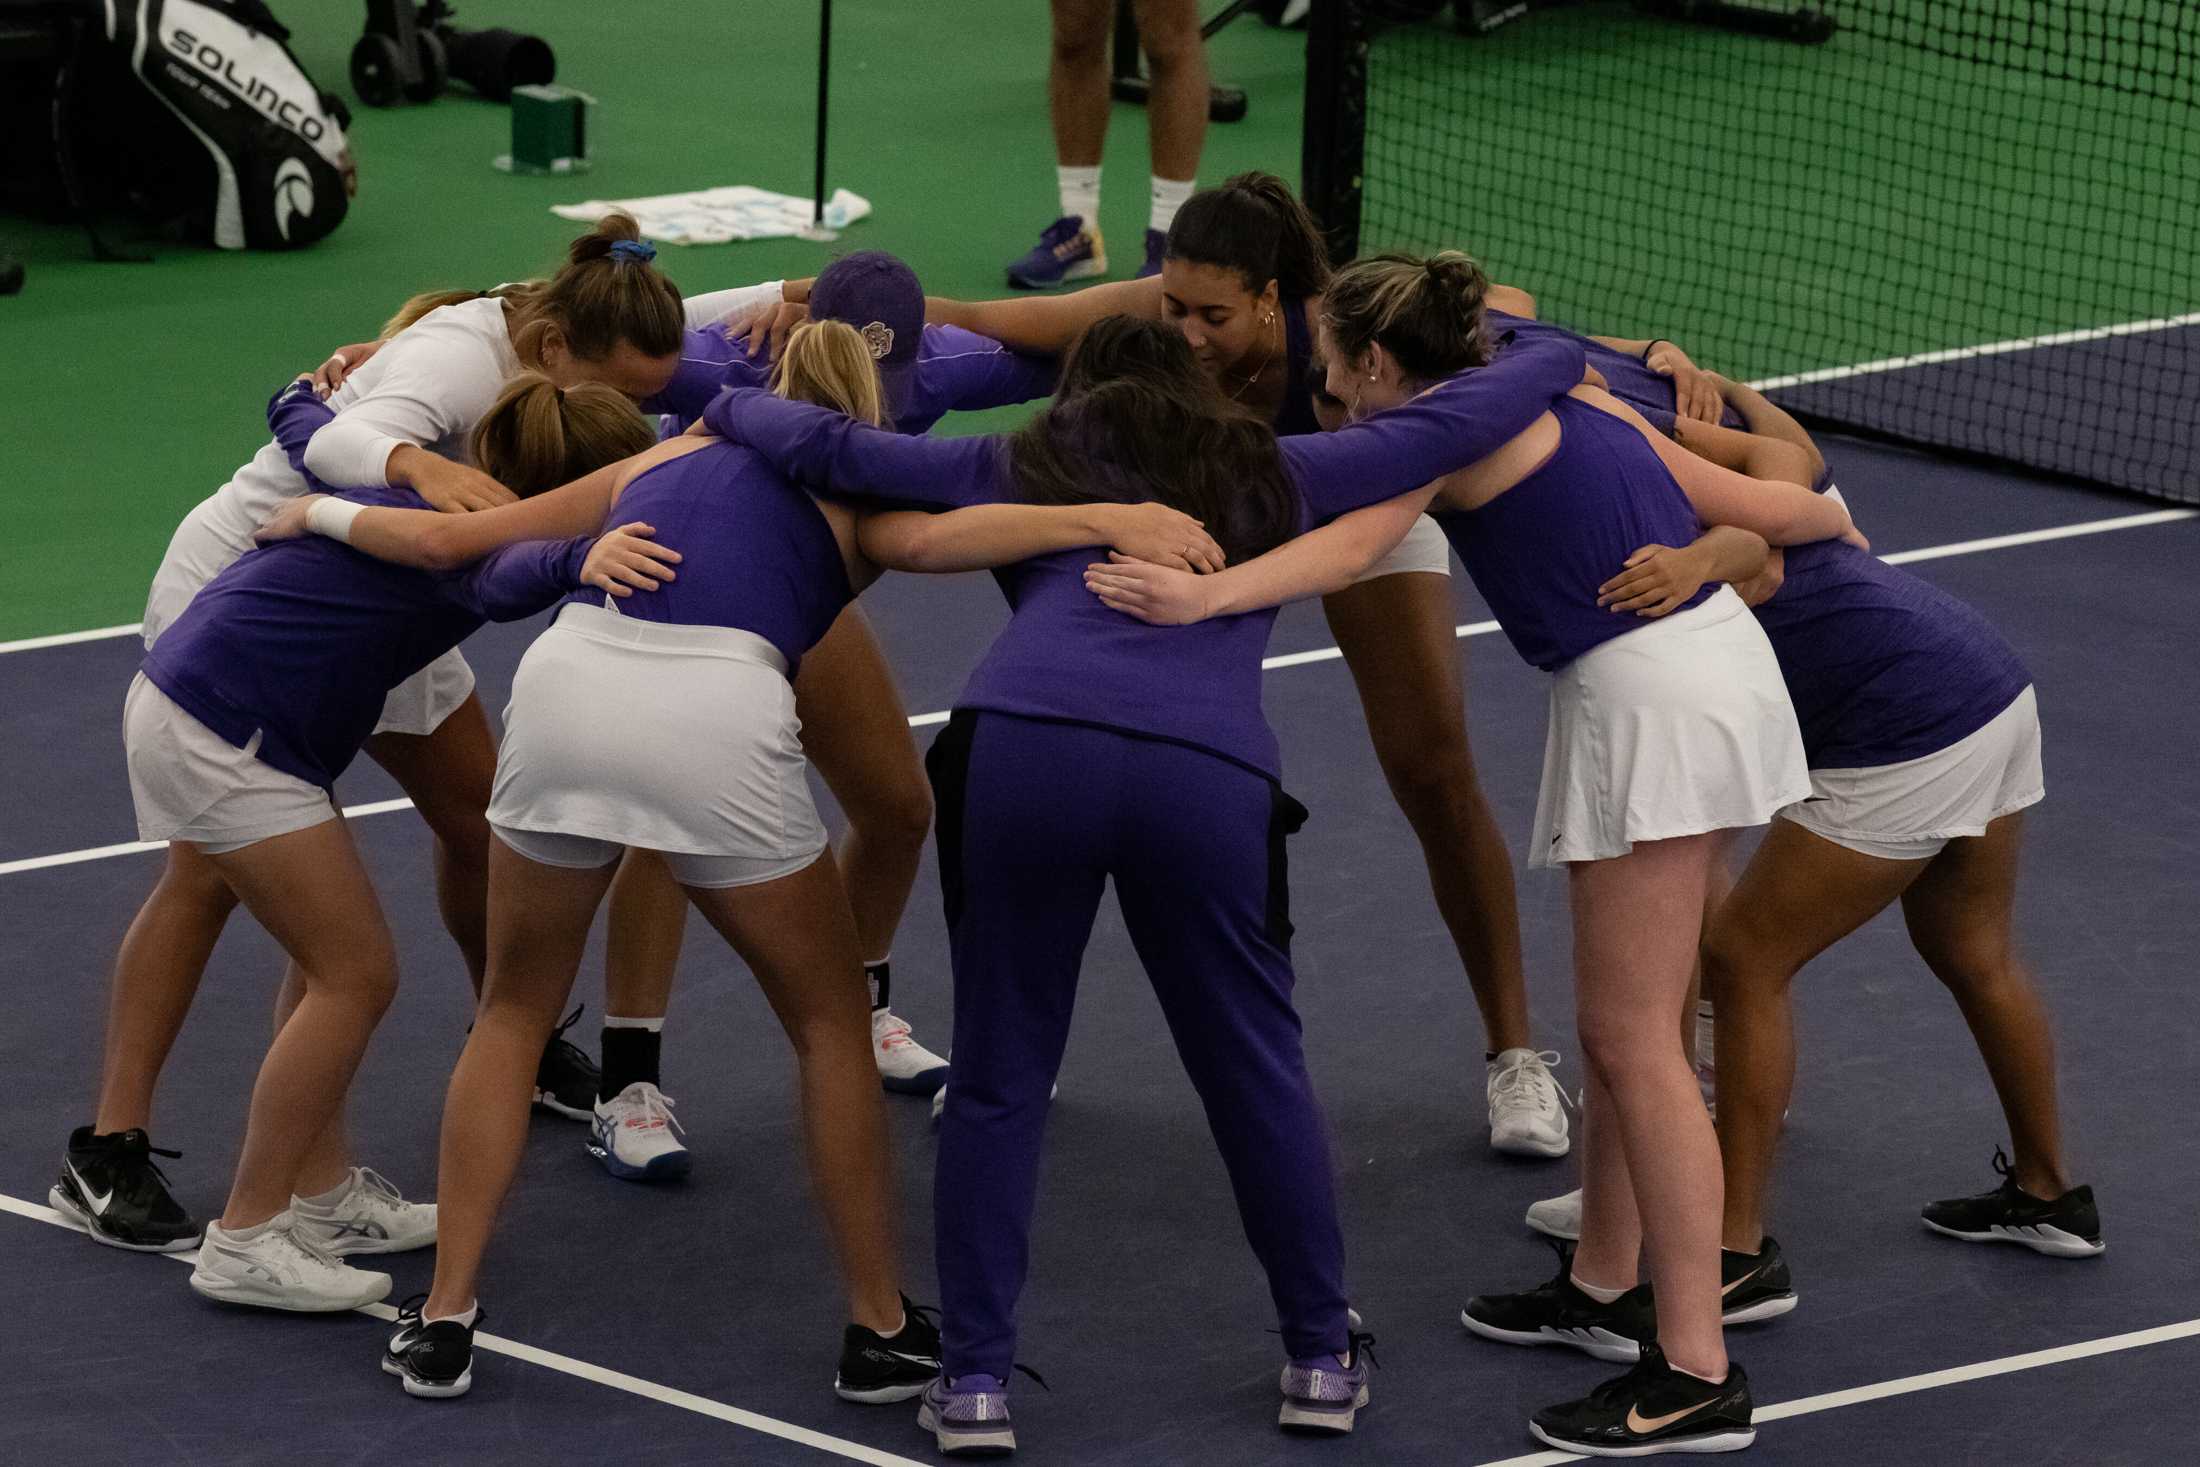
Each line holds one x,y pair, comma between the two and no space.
824,77
1334,137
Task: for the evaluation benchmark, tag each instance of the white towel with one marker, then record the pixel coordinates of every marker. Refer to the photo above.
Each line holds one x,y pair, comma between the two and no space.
716,215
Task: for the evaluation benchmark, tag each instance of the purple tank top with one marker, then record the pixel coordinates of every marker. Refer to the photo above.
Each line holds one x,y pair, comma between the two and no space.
755,552
1538,551
1882,666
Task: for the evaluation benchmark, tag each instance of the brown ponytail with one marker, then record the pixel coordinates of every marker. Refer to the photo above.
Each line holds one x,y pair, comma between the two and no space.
1427,313
1255,226
600,298
537,436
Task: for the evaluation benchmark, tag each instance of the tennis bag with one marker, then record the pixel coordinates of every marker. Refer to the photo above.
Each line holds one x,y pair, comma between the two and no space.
194,115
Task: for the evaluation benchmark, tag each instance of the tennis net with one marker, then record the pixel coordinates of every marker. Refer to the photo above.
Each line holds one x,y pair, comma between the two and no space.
1972,225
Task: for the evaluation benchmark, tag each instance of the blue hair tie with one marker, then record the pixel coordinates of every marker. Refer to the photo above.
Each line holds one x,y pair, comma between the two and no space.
639,250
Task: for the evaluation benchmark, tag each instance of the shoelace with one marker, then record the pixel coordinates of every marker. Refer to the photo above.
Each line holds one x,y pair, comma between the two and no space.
136,1170
385,1189
559,1041
312,1250
895,1034
652,1107
2002,1168
1517,1082
1359,1343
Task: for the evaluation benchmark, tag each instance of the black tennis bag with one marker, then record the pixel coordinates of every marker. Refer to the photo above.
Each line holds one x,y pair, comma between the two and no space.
192,115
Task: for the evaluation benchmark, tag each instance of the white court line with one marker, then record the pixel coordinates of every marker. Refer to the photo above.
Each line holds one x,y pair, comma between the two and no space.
1931,1380
1989,349
1288,659
617,1380
64,639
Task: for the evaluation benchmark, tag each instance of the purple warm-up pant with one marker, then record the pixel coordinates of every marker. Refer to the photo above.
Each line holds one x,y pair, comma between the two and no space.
1034,817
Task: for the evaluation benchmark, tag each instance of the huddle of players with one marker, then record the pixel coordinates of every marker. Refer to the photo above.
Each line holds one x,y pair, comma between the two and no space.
1610,524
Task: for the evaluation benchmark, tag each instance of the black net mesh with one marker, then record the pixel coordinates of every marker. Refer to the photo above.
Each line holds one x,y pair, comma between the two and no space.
1971,224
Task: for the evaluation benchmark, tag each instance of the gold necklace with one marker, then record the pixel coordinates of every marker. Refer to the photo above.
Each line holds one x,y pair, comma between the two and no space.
1259,371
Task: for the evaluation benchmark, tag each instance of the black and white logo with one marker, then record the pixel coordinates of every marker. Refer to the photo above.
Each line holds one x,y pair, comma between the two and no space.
293,194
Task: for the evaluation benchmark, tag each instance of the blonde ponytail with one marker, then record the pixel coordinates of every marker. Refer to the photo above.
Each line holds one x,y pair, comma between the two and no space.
827,362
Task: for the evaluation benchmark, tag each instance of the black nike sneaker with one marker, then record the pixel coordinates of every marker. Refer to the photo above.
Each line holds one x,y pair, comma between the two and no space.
435,1361
567,1079
1651,1410
1755,1286
2067,1227
112,1188
877,1369
1558,1313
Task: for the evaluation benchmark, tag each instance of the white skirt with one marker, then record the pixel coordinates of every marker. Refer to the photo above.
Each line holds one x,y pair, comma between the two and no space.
1677,727
188,783
1423,549
679,739
218,530
1909,811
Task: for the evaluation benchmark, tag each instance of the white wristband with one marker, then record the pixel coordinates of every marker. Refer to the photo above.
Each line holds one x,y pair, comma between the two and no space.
332,518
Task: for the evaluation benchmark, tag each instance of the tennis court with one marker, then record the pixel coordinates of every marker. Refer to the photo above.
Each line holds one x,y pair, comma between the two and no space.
691,1324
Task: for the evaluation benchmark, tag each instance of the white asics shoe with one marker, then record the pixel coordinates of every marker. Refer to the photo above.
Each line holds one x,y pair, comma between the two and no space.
1558,1217
369,1218
635,1136
1527,1110
904,1066
282,1269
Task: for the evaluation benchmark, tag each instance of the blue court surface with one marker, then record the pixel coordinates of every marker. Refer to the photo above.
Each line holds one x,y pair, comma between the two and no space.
698,1324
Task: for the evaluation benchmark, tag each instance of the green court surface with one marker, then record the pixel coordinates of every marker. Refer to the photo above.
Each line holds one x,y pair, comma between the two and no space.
129,392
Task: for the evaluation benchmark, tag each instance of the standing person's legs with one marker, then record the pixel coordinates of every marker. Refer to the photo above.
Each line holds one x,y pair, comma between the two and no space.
1800,895
1077,88
1397,637
1202,879
447,775
157,971
798,938
1176,104
643,936
1960,914
1637,925
1021,868
539,917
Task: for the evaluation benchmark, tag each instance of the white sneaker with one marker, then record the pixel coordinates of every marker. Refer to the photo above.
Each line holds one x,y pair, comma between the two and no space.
904,1066
1558,1217
1527,1115
282,1269
635,1136
370,1217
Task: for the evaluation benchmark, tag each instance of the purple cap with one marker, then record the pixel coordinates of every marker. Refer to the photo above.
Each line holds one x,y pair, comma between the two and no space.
880,296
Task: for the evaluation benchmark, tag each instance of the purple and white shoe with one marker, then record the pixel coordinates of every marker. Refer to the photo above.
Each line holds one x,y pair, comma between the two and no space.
1068,249
968,1416
1326,1393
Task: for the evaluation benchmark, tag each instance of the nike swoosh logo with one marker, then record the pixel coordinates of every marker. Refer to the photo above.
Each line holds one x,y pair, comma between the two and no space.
1642,1426
1745,1278
96,1201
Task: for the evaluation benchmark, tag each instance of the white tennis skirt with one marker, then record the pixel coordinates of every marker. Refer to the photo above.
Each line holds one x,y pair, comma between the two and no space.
1423,549
218,530
1909,811
188,783
680,739
1678,727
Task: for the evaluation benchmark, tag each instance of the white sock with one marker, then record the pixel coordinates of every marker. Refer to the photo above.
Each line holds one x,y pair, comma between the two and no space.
329,1198
1169,195
1602,1296
1692,1375
472,1312
654,1026
251,1234
1080,189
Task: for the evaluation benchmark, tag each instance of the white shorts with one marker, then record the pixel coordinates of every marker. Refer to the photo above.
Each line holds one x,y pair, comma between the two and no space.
1909,811
1423,549
1678,727
677,739
218,530
191,784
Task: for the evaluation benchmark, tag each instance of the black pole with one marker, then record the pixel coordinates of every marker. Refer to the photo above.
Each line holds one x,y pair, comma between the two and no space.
824,71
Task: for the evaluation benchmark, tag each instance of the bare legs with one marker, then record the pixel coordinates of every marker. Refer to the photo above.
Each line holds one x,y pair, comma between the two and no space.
1650,1163
796,934
1800,895
157,972
1397,637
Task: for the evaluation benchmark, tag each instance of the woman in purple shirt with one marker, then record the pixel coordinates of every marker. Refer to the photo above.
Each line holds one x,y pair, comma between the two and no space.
254,699
1662,734
1087,747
